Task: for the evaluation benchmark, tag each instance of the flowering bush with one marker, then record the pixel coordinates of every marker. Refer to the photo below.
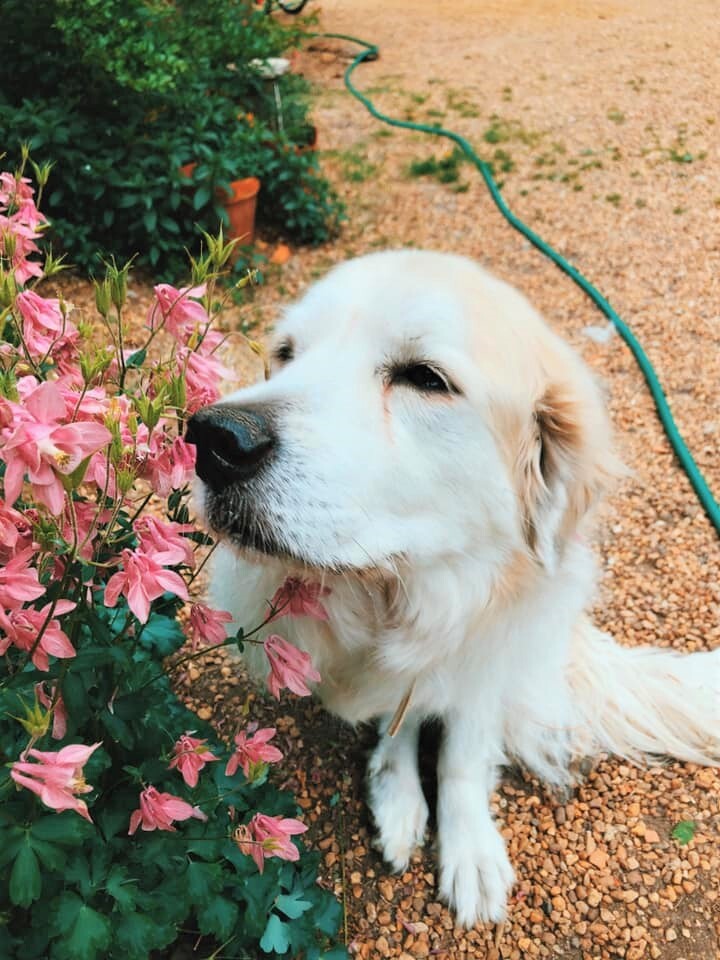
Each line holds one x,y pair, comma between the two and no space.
123,819
119,94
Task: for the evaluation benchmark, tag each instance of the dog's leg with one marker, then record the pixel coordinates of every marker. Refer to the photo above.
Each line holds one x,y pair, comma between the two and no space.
395,793
475,872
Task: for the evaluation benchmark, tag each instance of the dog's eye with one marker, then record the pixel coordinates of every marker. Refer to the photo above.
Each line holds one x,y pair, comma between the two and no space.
421,376
284,352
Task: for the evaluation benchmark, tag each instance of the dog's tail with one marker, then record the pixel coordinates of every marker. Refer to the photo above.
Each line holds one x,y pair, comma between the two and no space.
642,701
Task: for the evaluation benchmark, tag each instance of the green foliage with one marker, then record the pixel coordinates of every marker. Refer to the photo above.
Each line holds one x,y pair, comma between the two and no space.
101,895
446,169
119,94
684,831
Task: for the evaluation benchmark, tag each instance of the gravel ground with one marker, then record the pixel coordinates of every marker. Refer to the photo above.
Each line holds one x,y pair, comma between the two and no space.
602,120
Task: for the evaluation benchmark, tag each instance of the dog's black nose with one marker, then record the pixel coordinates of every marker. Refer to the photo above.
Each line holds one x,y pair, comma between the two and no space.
232,443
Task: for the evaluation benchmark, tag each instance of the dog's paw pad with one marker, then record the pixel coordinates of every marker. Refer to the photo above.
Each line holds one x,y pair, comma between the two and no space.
400,813
475,878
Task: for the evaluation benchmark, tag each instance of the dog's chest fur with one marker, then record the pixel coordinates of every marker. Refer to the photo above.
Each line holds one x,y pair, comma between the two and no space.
437,635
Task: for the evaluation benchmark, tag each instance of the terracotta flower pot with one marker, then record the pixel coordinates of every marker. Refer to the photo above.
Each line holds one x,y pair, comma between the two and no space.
240,207
187,169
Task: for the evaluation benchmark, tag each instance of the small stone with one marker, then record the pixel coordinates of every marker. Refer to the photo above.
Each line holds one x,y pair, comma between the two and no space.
205,713
670,934
598,858
386,889
382,946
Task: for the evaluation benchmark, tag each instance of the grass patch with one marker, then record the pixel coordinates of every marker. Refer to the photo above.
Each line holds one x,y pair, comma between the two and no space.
501,131
445,170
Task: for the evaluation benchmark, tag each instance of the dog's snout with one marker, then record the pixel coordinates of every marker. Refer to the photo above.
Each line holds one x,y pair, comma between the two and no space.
232,443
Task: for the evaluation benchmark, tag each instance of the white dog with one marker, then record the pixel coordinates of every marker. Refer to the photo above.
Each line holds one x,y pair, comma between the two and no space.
427,449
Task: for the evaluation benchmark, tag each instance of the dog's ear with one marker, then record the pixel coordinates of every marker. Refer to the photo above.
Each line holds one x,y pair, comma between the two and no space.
565,463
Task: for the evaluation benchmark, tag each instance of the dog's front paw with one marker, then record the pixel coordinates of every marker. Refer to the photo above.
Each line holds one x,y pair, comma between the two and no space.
475,875
400,812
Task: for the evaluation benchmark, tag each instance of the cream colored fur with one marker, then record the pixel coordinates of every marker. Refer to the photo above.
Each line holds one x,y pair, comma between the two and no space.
448,529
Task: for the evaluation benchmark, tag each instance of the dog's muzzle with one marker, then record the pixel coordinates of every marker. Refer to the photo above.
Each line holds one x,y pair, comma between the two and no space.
232,443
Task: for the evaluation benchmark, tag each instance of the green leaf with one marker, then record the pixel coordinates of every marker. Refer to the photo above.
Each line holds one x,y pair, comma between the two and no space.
204,880
51,856
122,889
150,220
684,831
85,933
66,828
275,937
12,839
292,904
138,933
201,197
90,935
136,359
218,917
25,879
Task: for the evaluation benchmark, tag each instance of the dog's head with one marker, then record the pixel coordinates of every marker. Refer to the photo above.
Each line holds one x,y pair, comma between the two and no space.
418,409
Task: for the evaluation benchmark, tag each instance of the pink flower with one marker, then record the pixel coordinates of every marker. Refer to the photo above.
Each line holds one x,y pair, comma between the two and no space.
297,598
88,521
266,837
58,778
22,225
14,189
207,625
43,323
163,541
21,629
16,533
60,717
158,810
289,667
19,582
171,468
181,314
141,581
252,750
202,378
44,448
191,755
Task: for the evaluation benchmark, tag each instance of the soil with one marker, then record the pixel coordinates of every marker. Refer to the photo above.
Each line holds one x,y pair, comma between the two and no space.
602,120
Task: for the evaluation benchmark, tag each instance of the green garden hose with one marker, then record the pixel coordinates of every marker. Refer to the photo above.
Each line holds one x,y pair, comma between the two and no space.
687,462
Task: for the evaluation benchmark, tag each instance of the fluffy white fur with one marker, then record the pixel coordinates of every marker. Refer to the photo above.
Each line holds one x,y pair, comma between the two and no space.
446,526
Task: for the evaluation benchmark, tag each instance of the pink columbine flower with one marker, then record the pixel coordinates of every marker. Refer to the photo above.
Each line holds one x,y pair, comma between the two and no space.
207,626
21,629
18,581
289,667
203,374
141,581
191,755
180,310
13,189
252,750
158,810
15,532
266,837
43,323
170,468
58,777
164,542
298,598
60,717
43,447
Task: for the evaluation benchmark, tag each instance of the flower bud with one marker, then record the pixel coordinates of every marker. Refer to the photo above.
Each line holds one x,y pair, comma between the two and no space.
103,297
36,721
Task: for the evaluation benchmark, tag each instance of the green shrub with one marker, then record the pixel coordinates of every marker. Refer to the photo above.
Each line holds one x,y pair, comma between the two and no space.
119,94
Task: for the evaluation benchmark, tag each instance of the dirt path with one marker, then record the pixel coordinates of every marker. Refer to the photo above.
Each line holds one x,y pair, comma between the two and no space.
603,120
